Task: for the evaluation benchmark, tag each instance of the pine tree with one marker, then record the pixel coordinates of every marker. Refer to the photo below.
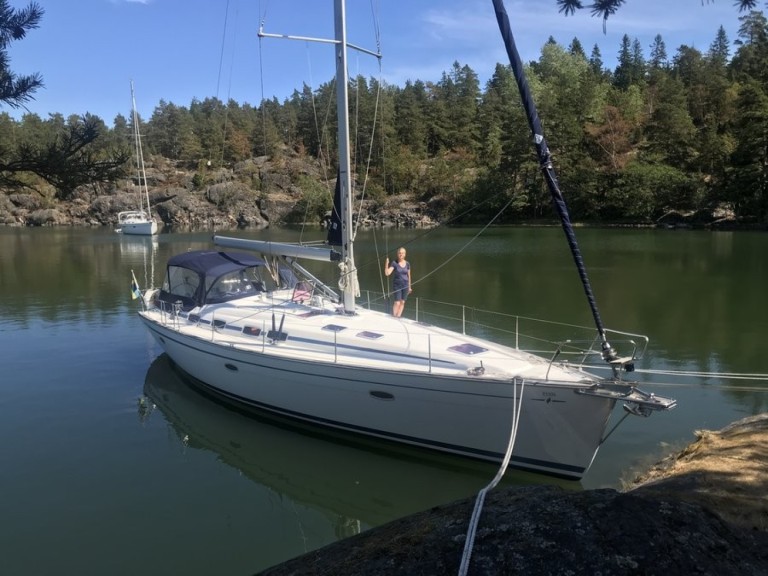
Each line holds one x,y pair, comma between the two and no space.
68,155
658,54
15,90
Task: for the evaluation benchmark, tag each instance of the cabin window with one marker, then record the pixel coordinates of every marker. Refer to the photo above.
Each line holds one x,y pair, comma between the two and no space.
229,286
181,282
238,284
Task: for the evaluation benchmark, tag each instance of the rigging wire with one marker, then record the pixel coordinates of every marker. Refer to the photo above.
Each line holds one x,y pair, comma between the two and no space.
261,79
375,21
229,86
323,157
318,133
221,55
466,245
377,34
366,172
370,152
378,260
435,228
460,250
262,21
322,142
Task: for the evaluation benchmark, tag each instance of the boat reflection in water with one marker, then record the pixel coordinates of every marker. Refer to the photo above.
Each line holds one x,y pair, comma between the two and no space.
138,245
356,483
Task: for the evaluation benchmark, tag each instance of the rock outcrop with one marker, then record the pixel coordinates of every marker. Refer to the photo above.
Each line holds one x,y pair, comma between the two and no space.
253,194
702,511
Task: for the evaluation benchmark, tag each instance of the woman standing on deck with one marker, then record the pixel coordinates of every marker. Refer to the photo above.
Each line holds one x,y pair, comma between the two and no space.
401,285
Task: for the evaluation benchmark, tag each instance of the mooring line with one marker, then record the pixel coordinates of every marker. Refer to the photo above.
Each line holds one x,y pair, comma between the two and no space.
693,374
472,529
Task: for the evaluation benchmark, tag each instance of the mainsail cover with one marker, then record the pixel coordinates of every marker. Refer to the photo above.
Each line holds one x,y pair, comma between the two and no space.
545,159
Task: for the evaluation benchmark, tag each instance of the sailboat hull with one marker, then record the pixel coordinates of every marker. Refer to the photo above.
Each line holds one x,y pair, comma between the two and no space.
266,334
559,431
139,228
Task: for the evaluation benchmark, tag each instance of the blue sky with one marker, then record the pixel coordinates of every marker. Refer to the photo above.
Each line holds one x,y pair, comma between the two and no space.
88,51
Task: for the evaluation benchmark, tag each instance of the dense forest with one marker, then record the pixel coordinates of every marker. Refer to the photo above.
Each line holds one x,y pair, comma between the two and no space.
661,133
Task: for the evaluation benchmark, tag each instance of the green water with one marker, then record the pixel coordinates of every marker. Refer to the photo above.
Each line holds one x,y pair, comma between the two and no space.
112,465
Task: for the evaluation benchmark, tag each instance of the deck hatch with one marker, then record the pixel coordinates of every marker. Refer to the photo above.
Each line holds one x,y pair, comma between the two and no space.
370,335
468,349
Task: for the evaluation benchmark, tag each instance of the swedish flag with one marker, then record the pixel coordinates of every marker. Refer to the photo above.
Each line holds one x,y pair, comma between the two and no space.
135,290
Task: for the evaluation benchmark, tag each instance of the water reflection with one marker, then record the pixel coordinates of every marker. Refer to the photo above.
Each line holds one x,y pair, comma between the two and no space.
357,484
138,245
140,253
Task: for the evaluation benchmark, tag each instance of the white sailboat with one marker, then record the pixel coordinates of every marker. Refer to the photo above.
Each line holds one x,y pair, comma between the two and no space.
257,329
140,221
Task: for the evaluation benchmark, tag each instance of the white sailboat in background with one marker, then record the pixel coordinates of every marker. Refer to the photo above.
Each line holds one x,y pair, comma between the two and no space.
140,221
258,330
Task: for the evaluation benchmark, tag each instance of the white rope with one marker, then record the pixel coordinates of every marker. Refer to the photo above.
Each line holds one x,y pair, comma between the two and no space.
348,278
472,529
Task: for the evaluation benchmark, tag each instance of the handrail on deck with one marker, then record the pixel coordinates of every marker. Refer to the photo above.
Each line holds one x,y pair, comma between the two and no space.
589,350
586,352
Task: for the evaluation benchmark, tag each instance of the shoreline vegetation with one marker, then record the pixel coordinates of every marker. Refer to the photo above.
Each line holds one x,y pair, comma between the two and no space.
703,510
672,139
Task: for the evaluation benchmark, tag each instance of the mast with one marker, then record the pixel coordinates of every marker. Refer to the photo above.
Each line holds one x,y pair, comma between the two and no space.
340,231
143,188
348,281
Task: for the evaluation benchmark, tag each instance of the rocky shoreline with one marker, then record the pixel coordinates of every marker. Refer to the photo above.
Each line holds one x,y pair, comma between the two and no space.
701,511
257,193
253,194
